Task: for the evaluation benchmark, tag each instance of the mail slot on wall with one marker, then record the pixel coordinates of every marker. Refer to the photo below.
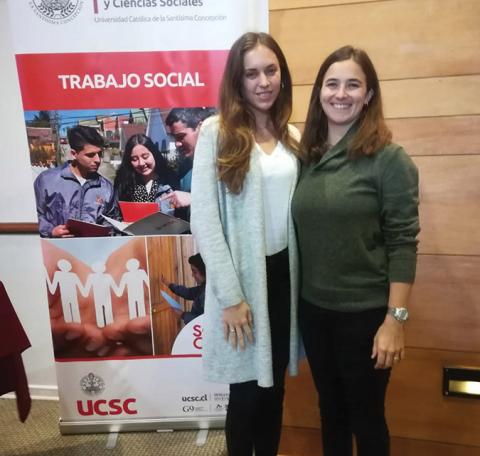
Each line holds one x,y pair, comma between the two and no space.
461,381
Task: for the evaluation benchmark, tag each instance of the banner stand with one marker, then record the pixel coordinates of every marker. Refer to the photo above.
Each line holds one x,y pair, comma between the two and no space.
140,425
127,342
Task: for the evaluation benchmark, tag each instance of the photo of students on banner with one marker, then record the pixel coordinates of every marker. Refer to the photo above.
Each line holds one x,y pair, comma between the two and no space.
113,172
110,298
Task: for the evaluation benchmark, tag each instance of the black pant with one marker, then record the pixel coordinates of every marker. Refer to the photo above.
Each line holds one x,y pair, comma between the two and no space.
351,391
254,416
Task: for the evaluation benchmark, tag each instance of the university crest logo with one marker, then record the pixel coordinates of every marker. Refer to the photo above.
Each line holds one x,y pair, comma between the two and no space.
56,11
92,384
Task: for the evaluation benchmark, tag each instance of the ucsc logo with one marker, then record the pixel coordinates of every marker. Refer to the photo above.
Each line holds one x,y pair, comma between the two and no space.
56,11
103,407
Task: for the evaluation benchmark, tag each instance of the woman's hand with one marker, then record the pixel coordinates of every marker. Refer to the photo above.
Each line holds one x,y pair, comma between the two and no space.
389,343
238,325
177,198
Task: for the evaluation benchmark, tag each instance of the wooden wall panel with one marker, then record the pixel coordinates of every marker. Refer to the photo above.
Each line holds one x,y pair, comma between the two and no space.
166,327
307,442
300,408
431,97
435,135
426,53
162,252
416,408
410,447
449,204
445,304
296,441
301,100
180,266
438,135
449,96
295,4
185,249
405,38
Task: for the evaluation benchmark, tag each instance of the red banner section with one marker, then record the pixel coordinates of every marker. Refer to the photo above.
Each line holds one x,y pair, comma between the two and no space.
120,79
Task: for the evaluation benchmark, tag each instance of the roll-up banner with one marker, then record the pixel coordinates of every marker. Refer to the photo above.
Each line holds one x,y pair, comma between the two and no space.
124,281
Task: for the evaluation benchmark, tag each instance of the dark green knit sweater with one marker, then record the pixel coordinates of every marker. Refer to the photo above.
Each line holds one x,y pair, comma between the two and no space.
357,222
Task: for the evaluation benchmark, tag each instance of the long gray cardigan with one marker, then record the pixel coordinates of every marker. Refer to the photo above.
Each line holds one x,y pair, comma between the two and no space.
229,230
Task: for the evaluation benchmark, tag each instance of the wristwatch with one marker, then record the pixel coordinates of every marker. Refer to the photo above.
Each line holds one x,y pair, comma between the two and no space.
399,313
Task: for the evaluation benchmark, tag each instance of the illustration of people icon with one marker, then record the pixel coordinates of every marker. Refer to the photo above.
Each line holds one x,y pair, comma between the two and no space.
101,283
68,283
134,280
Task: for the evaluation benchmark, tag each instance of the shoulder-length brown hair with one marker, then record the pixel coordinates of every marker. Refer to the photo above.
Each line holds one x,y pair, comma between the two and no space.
372,133
237,122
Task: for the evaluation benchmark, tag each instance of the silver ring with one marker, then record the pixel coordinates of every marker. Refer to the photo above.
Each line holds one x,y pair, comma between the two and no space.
232,330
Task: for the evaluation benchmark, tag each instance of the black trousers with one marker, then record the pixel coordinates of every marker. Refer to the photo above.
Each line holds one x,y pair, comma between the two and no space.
254,415
351,392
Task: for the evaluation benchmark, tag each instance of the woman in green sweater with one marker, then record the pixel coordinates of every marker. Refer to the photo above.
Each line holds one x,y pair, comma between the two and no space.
356,214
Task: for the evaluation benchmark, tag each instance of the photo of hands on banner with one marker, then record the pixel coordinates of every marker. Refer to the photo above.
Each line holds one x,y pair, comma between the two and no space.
113,172
122,296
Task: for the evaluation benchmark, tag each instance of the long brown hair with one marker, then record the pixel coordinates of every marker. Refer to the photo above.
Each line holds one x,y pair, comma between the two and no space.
372,133
237,123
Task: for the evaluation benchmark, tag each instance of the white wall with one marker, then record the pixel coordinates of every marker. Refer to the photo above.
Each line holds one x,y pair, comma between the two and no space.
20,255
21,272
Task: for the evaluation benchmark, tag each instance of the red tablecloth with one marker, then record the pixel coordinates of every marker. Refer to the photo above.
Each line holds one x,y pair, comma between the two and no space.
13,341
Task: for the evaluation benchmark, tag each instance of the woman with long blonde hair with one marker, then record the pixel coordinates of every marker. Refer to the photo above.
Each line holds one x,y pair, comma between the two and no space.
244,174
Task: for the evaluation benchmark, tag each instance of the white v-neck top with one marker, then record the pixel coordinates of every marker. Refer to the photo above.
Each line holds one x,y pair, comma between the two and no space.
278,178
